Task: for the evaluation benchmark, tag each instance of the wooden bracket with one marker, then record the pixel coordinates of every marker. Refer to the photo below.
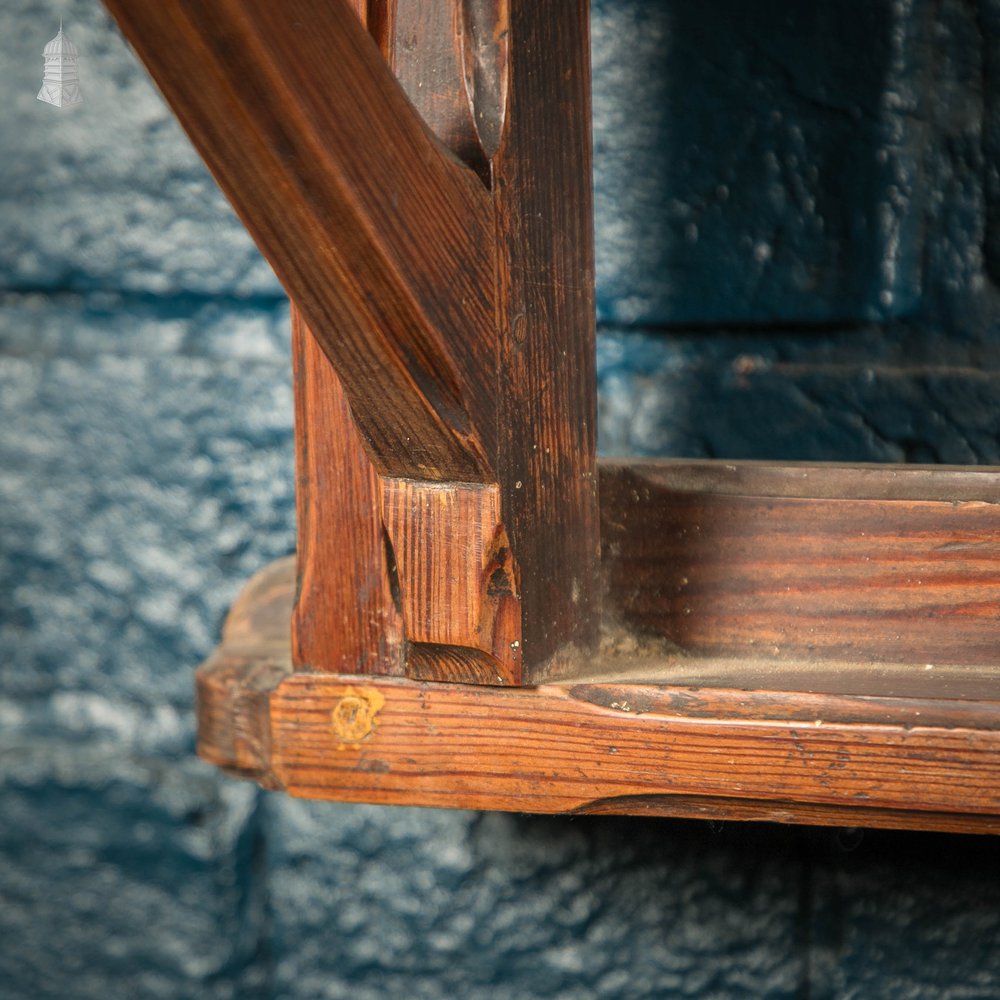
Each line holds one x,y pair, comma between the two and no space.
418,173
433,229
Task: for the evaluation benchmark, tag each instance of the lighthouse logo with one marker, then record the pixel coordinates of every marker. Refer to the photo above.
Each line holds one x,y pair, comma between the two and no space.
61,79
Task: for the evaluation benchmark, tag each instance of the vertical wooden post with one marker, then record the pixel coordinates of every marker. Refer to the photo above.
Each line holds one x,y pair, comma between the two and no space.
548,386
493,81
345,617
344,575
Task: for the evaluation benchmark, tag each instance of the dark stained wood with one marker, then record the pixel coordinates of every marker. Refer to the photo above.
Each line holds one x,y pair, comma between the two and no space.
795,643
865,564
443,540
451,59
793,705
723,810
541,750
506,86
646,749
631,659
815,480
346,616
458,582
429,211
548,396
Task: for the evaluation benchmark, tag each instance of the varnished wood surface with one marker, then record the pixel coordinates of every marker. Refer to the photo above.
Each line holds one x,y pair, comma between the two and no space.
455,580
364,216
451,59
433,228
548,383
458,582
455,301
548,750
506,87
785,756
870,564
419,176
814,480
345,564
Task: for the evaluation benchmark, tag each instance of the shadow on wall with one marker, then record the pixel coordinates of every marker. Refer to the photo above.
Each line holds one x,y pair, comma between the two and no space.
761,160
514,906
793,195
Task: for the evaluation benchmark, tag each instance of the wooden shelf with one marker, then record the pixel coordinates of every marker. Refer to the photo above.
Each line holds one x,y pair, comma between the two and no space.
820,743
481,614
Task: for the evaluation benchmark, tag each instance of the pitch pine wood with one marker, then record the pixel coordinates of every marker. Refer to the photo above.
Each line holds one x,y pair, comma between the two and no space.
458,583
451,59
345,571
493,80
930,762
548,382
866,564
365,217
459,574
345,574
446,546
785,642
428,208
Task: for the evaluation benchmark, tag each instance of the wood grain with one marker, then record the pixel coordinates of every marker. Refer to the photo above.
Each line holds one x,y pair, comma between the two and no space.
453,575
867,564
543,750
455,60
346,617
419,177
548,395
364,216
458,582
434,231
661,749
450,58
233,687
455,301
507,87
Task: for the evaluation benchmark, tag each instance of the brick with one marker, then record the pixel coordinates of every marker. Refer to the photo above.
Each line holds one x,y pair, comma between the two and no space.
124,876
370,902
109,194
903,394
911,916
758,162
145,473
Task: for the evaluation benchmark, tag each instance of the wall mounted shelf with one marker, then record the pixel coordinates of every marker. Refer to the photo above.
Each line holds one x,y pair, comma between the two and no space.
480,614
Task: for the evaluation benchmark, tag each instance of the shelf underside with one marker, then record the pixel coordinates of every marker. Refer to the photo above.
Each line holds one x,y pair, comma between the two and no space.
725,725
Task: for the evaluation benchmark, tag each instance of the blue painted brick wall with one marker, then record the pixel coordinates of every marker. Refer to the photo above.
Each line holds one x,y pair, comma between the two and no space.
798,235
759,162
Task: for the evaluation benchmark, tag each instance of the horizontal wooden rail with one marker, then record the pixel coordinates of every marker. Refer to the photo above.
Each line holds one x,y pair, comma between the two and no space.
662,748
818,643
863,563
715,692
